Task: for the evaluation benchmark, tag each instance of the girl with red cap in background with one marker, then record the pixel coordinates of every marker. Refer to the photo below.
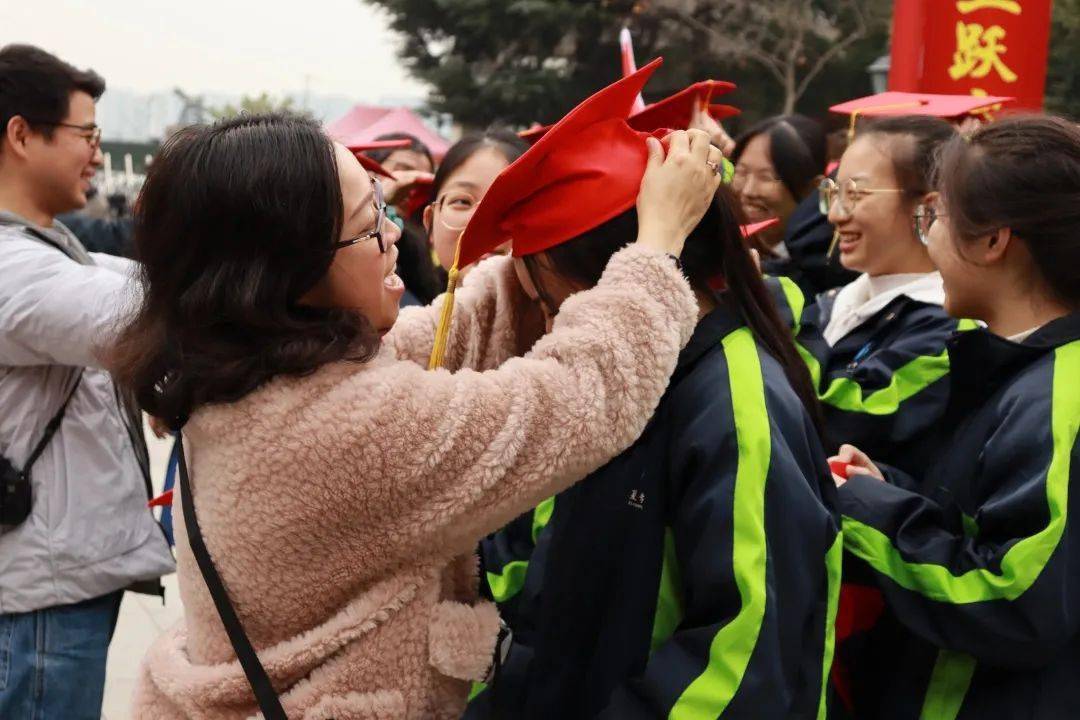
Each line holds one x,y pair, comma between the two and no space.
978,557
697,573
337,488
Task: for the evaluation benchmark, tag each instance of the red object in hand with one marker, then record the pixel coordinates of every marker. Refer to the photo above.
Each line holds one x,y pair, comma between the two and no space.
839,468
163,500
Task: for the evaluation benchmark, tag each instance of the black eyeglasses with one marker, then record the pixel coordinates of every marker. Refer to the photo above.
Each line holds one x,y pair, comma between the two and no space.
90,133
380,206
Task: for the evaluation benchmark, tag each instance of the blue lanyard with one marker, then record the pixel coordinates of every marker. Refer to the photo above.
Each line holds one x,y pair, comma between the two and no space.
863,352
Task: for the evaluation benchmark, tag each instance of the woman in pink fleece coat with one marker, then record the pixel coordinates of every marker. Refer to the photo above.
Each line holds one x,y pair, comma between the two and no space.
341,488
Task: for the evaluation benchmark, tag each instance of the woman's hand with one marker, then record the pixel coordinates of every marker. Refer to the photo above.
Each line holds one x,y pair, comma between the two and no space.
700,119
676,189
857,462
404,181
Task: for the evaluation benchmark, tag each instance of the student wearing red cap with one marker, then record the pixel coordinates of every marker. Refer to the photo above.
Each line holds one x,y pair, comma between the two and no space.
337,488
695,574
978,556
876,348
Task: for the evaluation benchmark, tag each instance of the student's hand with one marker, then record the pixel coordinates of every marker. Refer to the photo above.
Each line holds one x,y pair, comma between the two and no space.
700,119
676,189
403,183
857,462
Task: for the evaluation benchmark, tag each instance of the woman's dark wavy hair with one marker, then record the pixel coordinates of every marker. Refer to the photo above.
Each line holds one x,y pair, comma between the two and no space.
714,250
236,221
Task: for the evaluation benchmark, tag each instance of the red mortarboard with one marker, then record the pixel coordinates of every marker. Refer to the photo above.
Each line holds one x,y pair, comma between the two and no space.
754,228
901,103
674,111
584,171
371,165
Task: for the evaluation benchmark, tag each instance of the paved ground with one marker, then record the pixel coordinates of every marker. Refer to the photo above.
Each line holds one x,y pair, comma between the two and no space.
142,618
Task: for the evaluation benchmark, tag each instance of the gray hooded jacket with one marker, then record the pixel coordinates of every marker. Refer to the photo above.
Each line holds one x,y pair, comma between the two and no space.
89,532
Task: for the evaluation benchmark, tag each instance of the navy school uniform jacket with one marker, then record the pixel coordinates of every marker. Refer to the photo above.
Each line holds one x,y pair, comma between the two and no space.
695,575
884,386
979,558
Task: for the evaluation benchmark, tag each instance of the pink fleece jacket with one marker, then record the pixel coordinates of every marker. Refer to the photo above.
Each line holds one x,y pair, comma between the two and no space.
342,509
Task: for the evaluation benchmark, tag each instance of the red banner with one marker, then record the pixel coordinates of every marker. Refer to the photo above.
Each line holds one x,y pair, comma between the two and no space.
977,47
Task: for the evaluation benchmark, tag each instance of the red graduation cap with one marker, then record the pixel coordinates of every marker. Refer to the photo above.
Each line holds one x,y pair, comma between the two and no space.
902,103
585,170
754,228
674,111
371,165
592,154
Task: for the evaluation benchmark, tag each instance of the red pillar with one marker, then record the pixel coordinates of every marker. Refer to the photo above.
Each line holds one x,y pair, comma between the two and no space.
908,37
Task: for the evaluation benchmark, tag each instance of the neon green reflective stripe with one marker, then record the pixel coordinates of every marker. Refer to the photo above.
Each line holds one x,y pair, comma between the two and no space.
669,602
909,380
833,566
476,689
709,694
796,302
948,685
509,582
1023,562
812,365
542,516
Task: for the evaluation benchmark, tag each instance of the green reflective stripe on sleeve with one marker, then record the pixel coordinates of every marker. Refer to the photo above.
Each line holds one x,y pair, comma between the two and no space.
708,695
812,365
669,601
509,582
542,516
833,566
948,686
906,382
476,689
796,302
1023,562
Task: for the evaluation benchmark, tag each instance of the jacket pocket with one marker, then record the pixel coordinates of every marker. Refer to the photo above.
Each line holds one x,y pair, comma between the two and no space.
461,639
378,705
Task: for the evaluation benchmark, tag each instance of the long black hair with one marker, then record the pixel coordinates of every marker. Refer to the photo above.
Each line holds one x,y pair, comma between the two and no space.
235,223
715,249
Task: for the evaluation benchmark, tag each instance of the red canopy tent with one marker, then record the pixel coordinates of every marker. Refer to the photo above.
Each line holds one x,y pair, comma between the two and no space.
364,123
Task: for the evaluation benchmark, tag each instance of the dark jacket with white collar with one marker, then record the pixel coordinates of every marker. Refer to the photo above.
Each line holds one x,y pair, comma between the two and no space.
978,558
699,569
883,386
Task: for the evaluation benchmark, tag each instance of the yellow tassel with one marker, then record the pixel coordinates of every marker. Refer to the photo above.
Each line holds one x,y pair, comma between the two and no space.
442,332
833,244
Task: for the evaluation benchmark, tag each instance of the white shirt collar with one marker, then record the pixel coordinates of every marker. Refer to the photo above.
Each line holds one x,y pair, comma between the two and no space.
866,296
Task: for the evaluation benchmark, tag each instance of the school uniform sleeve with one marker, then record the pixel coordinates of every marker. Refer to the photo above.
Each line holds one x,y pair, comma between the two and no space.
505,555
1002,585
493,321
713,653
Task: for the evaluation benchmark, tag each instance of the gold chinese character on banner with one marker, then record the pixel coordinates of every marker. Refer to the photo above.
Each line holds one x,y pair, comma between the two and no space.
970,6
978,51
985,113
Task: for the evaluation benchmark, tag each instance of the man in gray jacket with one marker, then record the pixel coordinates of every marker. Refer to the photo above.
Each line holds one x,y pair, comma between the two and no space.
88,535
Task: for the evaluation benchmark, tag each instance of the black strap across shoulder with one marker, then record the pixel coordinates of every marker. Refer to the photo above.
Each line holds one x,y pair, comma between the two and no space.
245,653
51,428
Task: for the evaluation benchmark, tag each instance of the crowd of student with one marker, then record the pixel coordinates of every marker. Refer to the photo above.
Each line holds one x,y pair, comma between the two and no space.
702,426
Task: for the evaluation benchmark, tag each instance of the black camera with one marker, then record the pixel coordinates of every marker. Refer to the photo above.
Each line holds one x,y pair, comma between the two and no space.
14,494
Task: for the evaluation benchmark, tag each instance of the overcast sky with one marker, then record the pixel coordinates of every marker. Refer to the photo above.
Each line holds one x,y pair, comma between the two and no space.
219,46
